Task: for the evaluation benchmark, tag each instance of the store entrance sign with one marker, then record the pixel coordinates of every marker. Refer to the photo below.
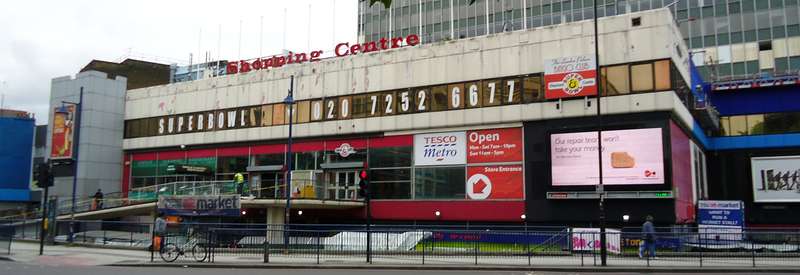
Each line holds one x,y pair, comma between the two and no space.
567,77
494,182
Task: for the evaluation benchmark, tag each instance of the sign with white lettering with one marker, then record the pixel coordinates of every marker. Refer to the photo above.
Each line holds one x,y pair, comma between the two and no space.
440,149
776,179
494,145
588,239
494,182
222,205
721,220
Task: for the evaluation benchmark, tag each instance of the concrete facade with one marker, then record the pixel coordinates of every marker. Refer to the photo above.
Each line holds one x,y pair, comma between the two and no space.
497,55
101,128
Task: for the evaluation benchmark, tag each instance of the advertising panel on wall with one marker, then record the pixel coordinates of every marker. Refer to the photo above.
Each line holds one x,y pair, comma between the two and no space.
492,159
440,149
776,179
721,220
573,76
494,182
588,239
61,138
495,145
630,157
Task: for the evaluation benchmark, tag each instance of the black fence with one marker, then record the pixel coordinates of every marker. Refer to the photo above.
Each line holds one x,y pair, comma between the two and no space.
437,245
6,236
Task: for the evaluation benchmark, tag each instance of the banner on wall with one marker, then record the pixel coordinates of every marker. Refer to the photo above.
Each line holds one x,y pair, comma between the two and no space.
494,182
573,76
629,157
222,205
494,145
776,179
588,239
440,149
63,130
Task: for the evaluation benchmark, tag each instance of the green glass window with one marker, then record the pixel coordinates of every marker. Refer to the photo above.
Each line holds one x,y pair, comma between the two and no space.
143,168
390,156
439,183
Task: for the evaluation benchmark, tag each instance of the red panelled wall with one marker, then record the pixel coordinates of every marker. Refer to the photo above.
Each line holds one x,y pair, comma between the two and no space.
682,175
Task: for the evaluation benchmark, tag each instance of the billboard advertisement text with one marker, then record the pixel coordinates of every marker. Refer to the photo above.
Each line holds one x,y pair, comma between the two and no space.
630,157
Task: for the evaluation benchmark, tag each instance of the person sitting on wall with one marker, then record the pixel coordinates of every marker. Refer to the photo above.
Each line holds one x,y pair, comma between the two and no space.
98,199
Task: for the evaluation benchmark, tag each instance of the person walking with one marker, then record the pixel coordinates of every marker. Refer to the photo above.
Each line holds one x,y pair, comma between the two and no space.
648,238
160,231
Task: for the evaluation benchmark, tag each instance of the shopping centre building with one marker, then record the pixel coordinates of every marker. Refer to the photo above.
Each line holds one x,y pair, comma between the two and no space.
455,131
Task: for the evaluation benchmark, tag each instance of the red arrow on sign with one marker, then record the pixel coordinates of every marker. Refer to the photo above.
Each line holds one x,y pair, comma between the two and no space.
478,187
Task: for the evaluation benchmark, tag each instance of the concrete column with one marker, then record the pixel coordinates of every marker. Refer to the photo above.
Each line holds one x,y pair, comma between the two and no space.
275,221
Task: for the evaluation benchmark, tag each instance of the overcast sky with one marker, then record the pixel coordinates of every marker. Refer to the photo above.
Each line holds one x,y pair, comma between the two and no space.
41,40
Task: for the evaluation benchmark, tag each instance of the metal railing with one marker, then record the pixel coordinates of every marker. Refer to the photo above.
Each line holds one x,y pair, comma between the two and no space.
303,189
6,236
442,245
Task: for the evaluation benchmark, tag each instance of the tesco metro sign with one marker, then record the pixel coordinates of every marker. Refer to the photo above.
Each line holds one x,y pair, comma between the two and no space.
340,50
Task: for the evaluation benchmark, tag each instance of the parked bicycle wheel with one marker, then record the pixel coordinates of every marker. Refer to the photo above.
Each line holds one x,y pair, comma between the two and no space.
170,252
199,252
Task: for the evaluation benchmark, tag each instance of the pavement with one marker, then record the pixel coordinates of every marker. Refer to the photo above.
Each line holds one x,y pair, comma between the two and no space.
55,256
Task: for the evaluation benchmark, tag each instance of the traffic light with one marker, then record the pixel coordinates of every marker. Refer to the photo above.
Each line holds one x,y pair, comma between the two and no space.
43,176
363,185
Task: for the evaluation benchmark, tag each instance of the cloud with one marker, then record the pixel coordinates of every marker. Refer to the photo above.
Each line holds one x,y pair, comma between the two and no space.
42,40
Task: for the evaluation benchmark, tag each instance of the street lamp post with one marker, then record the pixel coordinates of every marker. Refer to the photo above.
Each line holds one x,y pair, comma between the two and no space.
76,150
603,250
289,101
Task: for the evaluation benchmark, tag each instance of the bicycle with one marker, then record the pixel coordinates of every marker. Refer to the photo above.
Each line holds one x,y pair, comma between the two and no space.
170,251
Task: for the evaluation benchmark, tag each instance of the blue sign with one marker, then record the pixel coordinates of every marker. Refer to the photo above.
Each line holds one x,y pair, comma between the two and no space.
721,220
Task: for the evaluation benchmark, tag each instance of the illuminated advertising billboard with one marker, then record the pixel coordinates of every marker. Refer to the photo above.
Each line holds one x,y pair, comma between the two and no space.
630,157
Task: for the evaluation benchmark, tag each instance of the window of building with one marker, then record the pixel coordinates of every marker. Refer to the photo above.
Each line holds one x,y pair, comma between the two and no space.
231,165
390,157
615,80
738,126
439,99
642,77
473,94
662,75
278,114
345,107
303,111
492,92
360,104
307,160
532,89
439,183
266,115
270,159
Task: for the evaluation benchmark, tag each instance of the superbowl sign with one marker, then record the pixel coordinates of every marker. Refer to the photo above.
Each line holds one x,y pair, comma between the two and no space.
440,149
63,129
222,205
573,76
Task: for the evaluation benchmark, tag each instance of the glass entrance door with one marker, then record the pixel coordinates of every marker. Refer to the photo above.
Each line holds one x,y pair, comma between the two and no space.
343,185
